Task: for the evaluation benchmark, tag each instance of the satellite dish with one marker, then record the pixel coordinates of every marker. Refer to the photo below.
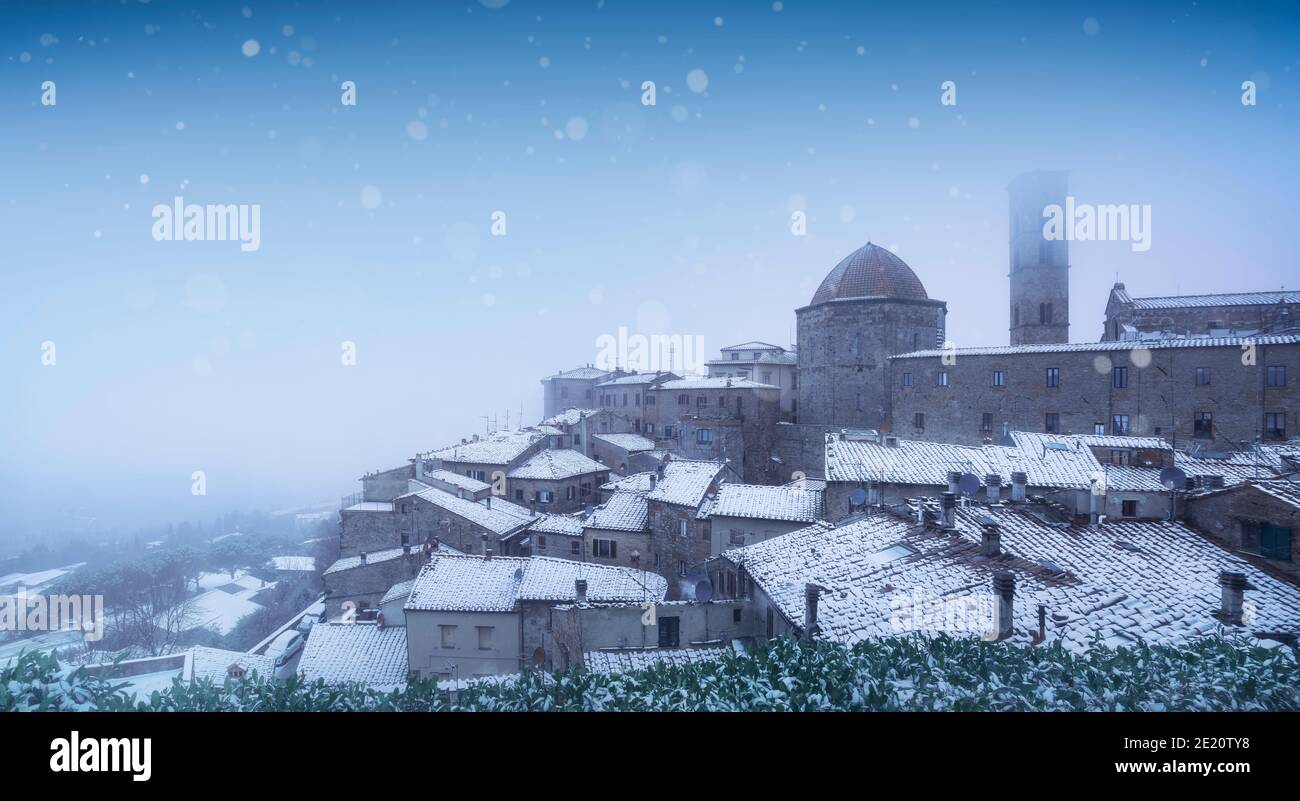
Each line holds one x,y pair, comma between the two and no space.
858,496
1173,478
703,591
969,484
539,657
519,574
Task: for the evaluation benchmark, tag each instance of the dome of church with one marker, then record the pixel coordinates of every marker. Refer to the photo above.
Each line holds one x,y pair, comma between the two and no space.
870,272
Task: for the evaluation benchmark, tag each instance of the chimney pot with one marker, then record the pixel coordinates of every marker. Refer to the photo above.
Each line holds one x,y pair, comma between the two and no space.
1004,591
1019,480
580,590
990,540
954,477
811,594
363,557
948,503
1232,587
994,483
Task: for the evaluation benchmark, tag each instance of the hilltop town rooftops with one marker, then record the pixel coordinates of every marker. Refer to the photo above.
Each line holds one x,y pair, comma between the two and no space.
556,464
764,357
569,417
632,443
716,382
624,511
563,525
1123,442
754,345
633,380
215,664
501,447
768,503
629,659
1102,347
398,592
1153,580
480,584
363,651
1197,301
685,482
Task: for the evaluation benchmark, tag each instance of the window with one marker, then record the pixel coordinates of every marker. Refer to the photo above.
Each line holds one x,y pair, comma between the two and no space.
1099,429
1119,377
1052,423
1128,509
682,530
669,632
649,400
1275,542
570,492
1276,375
624,398
731,584
604,548
1275,425
519,495
545,496
681,568
584,489
907,379
755,356
986,423
941,378
1202,376
668,432
541,540
1203,425
574,547
735,357
767,378
637,398
704,436
1119,425
577,439
1045,313
999,378
701,400
1119,457
1053,376
683,399
649,428
918,421
722,400
485,637
447,634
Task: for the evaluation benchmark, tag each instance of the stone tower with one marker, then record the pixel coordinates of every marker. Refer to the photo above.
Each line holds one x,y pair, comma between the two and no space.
869,307
1040,268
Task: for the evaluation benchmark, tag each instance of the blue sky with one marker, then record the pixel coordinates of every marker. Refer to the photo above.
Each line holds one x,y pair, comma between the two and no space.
675,218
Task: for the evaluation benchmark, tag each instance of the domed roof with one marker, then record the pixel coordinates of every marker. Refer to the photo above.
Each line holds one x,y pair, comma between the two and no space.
870,272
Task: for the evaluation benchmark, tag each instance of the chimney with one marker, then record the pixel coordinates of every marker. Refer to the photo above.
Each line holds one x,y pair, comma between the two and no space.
406,548
487,553
488,501
1093,512
1232,590
990,539
363,557
580,590
954,476
1042,622
949,504
659,470
994,483
920,511
379,620
1019,480
811,594
654,479
1004,591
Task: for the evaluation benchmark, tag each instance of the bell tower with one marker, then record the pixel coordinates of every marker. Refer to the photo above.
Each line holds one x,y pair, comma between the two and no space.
1040,268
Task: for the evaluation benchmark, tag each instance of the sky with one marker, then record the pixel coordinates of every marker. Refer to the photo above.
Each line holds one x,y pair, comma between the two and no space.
376,219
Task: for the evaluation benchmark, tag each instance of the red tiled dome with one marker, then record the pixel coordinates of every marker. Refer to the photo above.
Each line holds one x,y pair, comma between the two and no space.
870,272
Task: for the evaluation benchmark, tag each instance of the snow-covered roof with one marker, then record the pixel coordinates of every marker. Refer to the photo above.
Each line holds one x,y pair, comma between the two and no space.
470,583
684,483
569,417
455,479
1151,579
630,659
1222,299
371,506
353,562
753,345
297,563
398,592
632,443
363,651
635,379
1104,347
553,465
213,663
715,382
501,517
768,503
1124,442
216,610
501,447
580,372
565,525
624,511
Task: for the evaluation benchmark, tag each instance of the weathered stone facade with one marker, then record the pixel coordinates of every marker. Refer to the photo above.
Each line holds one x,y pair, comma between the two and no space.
364,583
1200,315
963,402
1235,518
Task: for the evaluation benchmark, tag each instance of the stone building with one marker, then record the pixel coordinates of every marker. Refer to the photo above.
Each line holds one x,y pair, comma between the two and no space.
1040,267
624,400
1193,390
868,308
718,419
1216,315
618,450
744,514
766,364
356,583
573,388
556,481
1260,519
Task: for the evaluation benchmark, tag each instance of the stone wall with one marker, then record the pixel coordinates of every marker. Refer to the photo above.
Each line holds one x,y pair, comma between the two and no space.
1224,516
